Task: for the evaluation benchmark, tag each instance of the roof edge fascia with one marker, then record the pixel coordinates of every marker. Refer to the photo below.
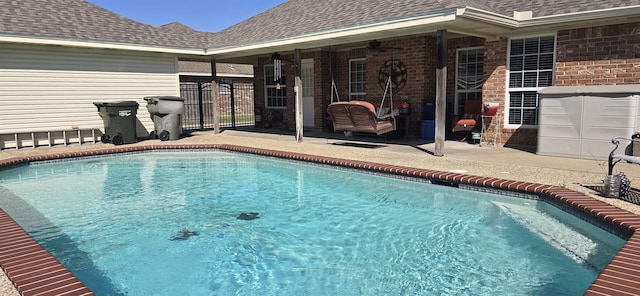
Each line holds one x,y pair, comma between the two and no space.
488,17
609,13
573,17
436,18
31,40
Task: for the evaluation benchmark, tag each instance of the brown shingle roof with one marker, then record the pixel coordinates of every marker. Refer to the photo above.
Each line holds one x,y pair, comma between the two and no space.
299,17
80,20
178,27
551,7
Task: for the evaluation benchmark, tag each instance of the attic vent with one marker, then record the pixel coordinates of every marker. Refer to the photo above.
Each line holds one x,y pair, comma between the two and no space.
523,15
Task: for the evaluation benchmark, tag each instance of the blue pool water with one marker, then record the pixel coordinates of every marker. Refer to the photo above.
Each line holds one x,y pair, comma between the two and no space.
166,223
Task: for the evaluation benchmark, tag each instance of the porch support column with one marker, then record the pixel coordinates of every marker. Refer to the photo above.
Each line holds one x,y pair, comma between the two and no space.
298,93
215,98
441,93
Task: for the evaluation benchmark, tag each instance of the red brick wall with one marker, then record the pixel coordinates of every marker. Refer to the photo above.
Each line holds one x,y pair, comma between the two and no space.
419,55
605,55
495,87
258,86
288,114
322,87
340,63
416,53
586,56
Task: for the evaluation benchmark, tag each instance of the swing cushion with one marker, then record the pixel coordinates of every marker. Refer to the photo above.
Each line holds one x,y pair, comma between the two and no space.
364,104
470,121
359,116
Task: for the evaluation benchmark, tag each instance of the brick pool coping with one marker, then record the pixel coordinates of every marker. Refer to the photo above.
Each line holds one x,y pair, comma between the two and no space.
33,271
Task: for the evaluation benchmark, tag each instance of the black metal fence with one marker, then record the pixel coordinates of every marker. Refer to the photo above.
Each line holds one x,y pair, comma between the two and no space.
235,105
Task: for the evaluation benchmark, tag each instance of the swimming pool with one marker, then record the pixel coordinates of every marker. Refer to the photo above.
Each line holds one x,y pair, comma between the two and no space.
319,230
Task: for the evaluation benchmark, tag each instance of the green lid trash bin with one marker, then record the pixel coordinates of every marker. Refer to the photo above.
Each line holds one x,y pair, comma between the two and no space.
166,113
119,121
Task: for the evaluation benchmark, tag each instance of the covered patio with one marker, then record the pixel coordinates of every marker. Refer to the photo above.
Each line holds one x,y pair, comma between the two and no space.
403,59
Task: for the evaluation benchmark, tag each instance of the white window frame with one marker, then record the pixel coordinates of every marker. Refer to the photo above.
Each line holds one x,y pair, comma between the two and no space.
457,104
359,94
268,68
525,89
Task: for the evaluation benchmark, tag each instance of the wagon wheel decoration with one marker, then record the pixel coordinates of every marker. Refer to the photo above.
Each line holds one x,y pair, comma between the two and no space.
398,73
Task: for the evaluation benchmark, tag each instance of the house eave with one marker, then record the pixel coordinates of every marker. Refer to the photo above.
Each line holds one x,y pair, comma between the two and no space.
461,20
364,32
37,40
615,14
551,22
487,17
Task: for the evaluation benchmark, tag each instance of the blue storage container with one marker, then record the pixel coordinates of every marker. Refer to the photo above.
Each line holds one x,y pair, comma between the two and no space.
428,129
428,111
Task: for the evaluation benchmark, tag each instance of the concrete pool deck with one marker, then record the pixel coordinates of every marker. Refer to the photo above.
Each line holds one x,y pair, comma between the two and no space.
459,158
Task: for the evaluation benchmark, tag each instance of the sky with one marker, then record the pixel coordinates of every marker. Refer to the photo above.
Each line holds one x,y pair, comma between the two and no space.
201,15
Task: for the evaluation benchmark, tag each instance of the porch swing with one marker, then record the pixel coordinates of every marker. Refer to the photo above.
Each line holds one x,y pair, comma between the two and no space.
361,116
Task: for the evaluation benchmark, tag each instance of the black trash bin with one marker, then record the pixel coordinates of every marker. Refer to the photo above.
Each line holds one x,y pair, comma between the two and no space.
166,113
119,121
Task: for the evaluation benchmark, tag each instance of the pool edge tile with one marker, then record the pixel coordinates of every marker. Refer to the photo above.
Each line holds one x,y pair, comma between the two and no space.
22,269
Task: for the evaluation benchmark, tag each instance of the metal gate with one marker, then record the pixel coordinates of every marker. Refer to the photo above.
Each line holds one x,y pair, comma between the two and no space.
235,105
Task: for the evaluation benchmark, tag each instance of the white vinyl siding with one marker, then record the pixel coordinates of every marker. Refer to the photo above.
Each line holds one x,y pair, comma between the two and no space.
53,88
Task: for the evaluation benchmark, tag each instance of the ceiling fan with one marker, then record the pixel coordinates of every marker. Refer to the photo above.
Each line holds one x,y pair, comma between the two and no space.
375,46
